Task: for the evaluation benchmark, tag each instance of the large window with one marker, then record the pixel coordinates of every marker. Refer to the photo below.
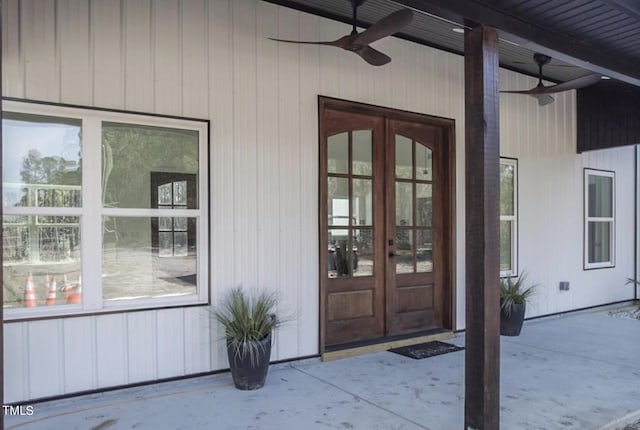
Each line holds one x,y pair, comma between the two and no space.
102,210
599,219
508,217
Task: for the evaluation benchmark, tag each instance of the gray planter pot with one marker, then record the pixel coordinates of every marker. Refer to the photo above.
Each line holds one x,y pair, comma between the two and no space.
512,325
250,374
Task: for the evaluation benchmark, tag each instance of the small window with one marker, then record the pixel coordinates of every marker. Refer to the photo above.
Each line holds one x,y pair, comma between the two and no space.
599,219
102,210
508,217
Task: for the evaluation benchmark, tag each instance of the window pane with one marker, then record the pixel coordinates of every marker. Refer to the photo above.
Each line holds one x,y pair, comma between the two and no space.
363,253
47,252
340,262
404,203
506,236
165,194
338,153
599,246
424,163
424,203
362,152
404,157
404,251
140,261
338,204
506,189
424,253
134,154
362,202
41,160
180,193
600,196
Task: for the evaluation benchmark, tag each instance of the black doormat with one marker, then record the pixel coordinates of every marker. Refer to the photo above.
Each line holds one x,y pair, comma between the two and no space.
424,350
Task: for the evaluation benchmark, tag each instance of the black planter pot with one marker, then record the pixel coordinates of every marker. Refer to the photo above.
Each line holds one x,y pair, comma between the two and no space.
250,374
512,325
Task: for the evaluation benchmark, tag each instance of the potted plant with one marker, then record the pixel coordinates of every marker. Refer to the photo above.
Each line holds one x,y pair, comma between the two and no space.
513,300
248,321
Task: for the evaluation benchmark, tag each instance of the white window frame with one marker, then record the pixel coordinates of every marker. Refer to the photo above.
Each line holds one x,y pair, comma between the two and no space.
92,211
588,219
513,218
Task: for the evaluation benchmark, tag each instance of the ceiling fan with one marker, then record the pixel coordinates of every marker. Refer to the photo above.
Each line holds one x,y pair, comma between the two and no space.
358,43
541,92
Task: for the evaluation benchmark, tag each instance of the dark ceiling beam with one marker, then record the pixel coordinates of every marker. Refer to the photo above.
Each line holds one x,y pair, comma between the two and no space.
629,7
545,40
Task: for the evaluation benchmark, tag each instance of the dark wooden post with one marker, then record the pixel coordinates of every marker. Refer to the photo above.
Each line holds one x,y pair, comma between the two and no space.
482,153
1,240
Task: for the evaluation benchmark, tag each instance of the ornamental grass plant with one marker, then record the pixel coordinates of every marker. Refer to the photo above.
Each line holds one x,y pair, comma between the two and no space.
247,318
514,292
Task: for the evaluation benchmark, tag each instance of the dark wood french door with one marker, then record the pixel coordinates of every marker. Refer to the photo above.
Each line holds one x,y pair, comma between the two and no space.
385,204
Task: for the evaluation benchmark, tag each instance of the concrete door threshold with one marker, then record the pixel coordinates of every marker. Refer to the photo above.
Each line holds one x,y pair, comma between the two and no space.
384,346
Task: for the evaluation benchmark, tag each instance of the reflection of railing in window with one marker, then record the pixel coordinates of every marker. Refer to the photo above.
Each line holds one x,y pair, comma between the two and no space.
37,238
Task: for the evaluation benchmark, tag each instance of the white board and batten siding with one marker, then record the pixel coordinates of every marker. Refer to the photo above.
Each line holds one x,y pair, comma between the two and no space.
213,60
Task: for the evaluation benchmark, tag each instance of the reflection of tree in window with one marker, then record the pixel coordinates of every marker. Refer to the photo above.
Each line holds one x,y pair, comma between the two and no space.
130,152
49,181
507,217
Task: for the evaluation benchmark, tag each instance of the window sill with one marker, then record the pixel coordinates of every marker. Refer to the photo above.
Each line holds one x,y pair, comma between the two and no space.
73,311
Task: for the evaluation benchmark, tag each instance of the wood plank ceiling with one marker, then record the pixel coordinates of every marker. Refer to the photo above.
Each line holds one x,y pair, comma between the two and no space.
582,36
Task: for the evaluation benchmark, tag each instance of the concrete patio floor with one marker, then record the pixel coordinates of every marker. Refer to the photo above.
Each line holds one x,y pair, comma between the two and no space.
580,371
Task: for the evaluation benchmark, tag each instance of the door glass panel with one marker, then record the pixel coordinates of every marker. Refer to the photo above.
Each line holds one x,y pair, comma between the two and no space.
165,223
404,203
424,163
404,157
165,247
362,202
180,244
180,193
404,251
424,205
338,204
363,252
362,152
338,153
164,194
338,259
180,224
424,252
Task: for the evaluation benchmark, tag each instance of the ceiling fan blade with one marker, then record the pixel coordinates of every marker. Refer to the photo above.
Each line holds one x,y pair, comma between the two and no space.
573,84
385,27
543,99
529,92
343,42
372,56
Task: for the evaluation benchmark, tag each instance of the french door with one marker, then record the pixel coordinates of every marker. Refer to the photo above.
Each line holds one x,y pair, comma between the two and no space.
385,203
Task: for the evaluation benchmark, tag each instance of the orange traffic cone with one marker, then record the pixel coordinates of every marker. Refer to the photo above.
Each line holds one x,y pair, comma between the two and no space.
75,297
29,293
66,288
51,292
